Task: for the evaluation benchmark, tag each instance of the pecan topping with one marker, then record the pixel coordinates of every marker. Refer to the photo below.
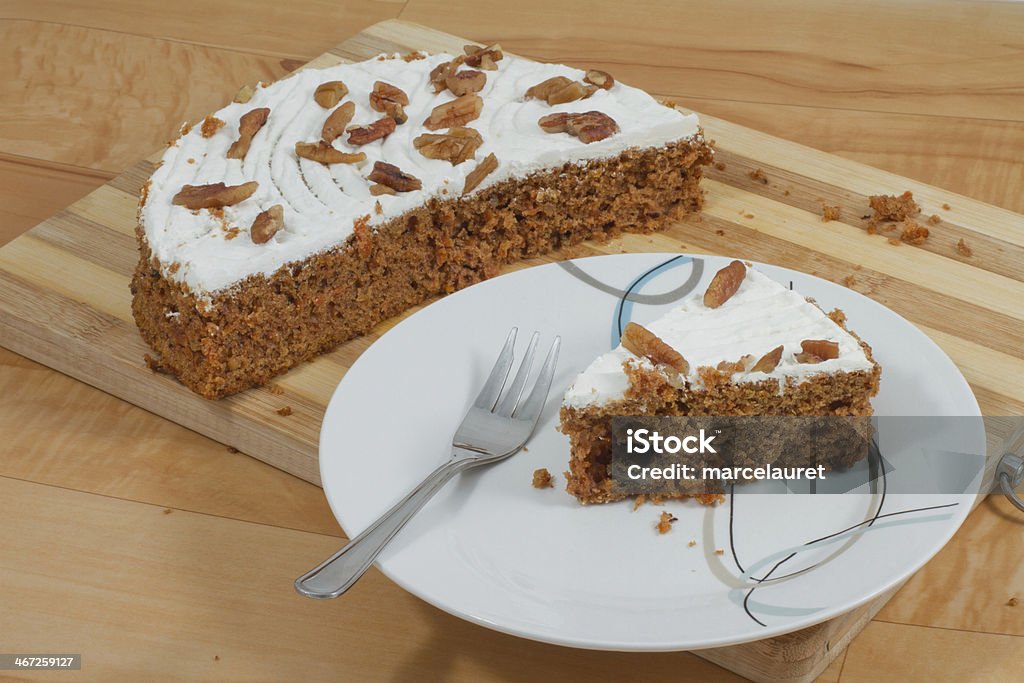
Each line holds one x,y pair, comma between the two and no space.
602,79
807,358
325,153
390,100
589,127
559,90
456,146
464,82
457,112
822,348
724,284
393,177
377,189
335,124
640,341
213,196
381,128
482,170
555,123
330,93
244,94
267,224
211,124
483,57
248,126
440,73
768,361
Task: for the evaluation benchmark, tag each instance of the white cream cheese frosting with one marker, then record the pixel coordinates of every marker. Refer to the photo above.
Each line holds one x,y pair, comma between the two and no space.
759,317
321,203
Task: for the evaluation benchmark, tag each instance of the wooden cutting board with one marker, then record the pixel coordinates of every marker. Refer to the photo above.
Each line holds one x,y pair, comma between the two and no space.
64,299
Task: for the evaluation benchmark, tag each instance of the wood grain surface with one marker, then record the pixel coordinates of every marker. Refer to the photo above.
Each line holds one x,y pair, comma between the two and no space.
82,467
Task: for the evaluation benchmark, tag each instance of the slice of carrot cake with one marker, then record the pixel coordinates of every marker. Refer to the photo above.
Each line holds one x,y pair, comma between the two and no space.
309,210
747,346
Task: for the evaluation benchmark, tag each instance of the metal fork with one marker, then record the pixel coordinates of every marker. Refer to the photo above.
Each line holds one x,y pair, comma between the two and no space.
495,428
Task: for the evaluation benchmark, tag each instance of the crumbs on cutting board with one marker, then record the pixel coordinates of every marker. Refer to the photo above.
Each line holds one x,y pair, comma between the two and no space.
285,411
830,213
758,175
963,249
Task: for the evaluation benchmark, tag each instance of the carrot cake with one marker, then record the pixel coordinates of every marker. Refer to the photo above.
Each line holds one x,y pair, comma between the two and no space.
746,346
307,211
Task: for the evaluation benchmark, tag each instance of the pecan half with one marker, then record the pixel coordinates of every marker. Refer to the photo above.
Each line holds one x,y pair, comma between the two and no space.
640,341
325,153
768,361
338,120
393,177
267,224
555,123
456,145
330,93
213,196
724,284
482,170
602,79
822,348
464,82
483,57
589,127
248,126
381,128
457,112
440,73
390,100
211,124
544,89
592,126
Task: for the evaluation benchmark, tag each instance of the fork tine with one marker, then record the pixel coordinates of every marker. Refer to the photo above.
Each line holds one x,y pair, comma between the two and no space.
531,408
499,373
511,400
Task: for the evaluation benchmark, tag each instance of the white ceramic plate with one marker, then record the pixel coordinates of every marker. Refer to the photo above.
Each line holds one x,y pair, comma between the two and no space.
493,550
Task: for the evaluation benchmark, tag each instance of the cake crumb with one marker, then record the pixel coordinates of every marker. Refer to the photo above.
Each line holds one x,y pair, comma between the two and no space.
665,522
720,232
640,500
892,208
1013,602
285,411
829,213
720,165
913,232
962,247
947,207
525,449
785,193
377,208
934,219
719,551
190,160
758,175
691,543
542,479
216,658
168,511
895,242
276,390
849,281
413,56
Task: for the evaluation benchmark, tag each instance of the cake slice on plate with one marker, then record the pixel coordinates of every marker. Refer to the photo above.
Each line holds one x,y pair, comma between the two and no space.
746,346
309,210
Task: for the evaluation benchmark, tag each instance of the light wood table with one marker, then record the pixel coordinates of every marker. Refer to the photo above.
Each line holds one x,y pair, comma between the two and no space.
160,554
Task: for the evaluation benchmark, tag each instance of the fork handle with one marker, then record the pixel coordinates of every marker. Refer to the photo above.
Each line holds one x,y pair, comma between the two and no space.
339,572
